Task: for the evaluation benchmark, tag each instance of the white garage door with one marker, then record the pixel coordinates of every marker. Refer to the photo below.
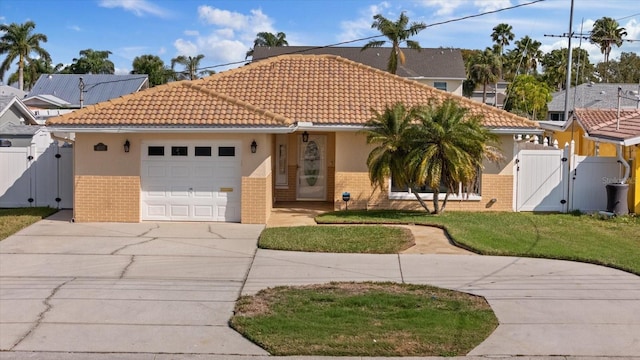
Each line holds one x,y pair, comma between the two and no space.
191,181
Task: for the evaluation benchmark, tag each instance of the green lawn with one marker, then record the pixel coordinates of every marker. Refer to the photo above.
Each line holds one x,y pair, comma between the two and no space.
613,242
364,319
339,239
13,220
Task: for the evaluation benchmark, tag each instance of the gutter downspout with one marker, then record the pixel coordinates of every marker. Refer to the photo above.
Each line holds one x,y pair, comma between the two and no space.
621,160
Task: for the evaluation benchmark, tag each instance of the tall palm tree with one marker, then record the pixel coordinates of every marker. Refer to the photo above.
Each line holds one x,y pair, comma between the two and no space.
397,33
18,42
607,32
269,40
528,55
502,35
33,70
92,62
485,69
191,65
449,148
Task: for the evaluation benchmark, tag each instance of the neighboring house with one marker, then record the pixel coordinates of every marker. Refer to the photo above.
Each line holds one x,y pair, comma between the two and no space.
618,130
588,96
442,68
6,90
18,126
229,146
593,96
57,94
496,94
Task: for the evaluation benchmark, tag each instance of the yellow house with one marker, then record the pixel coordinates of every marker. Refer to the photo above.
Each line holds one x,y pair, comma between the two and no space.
280,130
605,132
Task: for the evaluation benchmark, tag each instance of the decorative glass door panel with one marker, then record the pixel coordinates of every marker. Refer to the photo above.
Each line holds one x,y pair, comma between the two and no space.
312,169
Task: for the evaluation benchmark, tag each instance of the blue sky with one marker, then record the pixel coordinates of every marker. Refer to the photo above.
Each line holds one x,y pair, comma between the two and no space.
224,30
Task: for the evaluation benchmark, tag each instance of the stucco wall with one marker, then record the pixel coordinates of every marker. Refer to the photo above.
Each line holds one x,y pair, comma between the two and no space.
352,176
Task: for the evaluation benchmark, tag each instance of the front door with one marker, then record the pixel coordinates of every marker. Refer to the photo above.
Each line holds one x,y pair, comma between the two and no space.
312,170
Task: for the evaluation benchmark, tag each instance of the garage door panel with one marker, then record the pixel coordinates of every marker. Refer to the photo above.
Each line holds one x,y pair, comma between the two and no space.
200,188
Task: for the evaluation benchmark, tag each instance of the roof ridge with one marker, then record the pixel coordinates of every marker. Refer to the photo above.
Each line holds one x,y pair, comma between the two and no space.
277,117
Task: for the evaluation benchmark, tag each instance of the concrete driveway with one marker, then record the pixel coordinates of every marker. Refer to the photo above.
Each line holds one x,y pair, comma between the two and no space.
142,288
167,290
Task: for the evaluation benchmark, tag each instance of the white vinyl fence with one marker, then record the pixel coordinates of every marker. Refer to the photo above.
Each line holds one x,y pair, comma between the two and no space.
30,176
556,180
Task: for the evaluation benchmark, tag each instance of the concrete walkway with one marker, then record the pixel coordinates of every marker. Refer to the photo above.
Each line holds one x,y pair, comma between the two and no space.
167,290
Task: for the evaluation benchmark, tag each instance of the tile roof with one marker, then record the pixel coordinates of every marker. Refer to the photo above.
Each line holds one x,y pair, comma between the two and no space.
428,62
604,123
322,89
97,87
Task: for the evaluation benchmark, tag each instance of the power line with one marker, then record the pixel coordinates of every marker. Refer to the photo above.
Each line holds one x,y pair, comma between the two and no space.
377,36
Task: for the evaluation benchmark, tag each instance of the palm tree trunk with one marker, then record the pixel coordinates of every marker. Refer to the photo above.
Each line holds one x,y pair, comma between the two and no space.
21,72
416,193
484,93
444,203
436,205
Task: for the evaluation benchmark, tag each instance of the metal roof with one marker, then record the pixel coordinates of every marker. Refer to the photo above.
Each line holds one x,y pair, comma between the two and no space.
596,96
439,63
10,129
97,87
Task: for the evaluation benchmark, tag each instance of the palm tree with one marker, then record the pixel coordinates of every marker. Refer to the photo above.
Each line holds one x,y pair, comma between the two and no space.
427,146
397,33
18,42
502,35
606,32
269,40
191,65
33,70
528,54
391,131
154,67
485,69
449,148
92,62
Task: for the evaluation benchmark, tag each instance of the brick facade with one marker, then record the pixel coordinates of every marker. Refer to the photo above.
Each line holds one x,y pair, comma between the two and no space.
107,198
363,196
256,200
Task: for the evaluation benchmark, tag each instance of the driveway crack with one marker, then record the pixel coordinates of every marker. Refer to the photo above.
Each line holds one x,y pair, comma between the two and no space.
126,268
41,316
116,251
400,268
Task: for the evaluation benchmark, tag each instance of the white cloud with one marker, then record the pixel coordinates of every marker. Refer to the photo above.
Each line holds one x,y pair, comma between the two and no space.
491,5
231,35
359,27
74,28
138,7
162,50
444,7
186,47
121,71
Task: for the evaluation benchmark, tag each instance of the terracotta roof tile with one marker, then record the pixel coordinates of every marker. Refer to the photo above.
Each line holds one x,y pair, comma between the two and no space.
605,123
323,89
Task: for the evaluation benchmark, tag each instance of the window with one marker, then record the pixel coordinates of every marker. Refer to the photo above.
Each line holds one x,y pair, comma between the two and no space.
464,192
226,151
440,85
179,151
556,116
202,151
155,151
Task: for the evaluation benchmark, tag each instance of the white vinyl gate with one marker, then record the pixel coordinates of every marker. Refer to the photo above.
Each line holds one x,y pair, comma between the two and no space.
556,180
590,175
36,177
541,180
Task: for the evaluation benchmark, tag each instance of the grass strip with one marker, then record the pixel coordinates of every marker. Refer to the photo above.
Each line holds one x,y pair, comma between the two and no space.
338,239
13,220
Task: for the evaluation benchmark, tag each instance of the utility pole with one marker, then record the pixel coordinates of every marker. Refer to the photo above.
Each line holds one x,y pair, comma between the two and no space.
569,58
81,86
